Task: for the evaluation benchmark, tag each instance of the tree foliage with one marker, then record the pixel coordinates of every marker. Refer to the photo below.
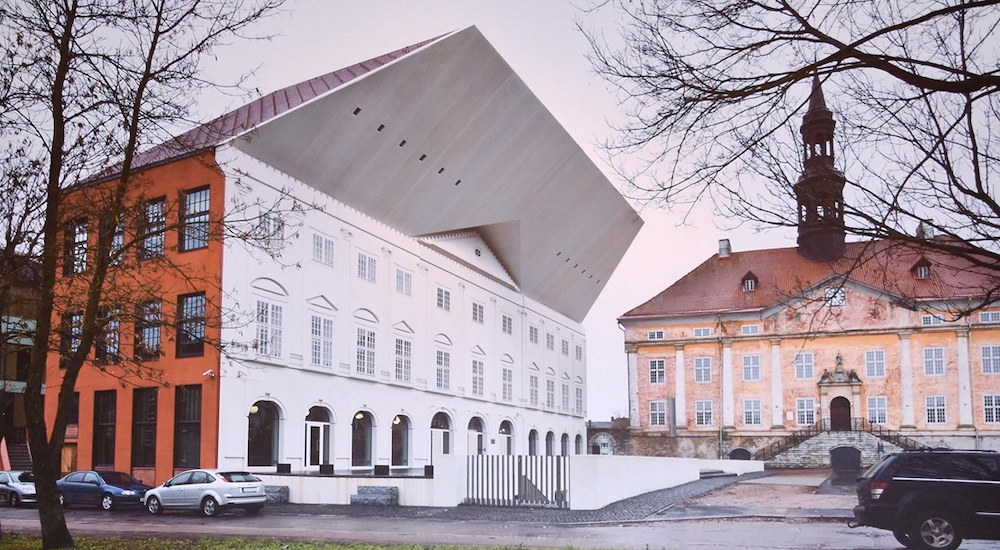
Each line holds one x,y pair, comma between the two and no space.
715,90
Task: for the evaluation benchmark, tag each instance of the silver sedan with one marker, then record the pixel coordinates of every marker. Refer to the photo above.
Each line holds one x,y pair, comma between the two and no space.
17,487
208,491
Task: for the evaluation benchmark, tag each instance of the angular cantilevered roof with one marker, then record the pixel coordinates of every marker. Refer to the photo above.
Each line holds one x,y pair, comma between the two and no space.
448,138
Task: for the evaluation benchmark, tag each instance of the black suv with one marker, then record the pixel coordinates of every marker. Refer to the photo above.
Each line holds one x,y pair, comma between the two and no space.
933,499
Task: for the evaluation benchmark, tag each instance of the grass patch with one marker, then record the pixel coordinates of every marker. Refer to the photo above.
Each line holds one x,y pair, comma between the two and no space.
17,542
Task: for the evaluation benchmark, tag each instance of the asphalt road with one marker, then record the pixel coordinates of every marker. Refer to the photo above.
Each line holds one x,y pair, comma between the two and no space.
680,535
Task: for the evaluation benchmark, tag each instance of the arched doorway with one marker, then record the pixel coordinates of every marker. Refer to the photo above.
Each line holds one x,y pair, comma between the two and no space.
441,433
400,440
739,453
550,444
579,444
507,437
564,445
262,434
840,414
318,436
361,439
477,439
533,443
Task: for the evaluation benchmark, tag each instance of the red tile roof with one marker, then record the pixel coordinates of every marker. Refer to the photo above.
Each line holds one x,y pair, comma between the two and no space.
715,286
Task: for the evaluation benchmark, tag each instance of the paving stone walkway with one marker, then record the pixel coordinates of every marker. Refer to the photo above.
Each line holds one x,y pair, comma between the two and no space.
636,508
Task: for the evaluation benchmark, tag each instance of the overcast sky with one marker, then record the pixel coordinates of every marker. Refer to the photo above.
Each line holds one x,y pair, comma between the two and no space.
540,41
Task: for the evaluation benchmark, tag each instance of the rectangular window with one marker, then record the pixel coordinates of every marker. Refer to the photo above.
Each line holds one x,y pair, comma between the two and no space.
751,412
478,313
69,340
989,316
153,229
366,351
702,369
107,347
194,219
703,332
703,412
75,255
805,411
749,330
657,413
508,384
878,409
657,371
533,389
655,335
144,427
404,281
117,245
74,410
404,359
836,297
508,324
579,353
933,361
931,320
804,366
323,249
147,331
104,428
550,394
272,231
751,368
478,373
565,397
579,401
367,267
935,409
443,299
991,408
565,347
875,363
550,341
991,359
443,369
321,341
533,335
187,427
269,319
191,325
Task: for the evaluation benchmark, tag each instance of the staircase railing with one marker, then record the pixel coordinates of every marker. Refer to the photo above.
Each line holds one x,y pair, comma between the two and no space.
856,425
787,442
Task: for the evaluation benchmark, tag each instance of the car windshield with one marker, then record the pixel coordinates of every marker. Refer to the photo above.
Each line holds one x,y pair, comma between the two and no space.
26,477
115,478
238,477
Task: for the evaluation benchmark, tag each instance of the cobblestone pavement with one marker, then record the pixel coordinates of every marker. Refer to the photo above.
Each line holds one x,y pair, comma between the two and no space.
631,509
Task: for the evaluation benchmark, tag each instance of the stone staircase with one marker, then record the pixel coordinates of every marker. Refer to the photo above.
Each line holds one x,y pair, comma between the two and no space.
19,456
815,451
371,495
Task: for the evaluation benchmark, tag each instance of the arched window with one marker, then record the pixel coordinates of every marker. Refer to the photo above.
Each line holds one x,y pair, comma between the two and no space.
507,437
318,436
550,444
400,440
362,428
263,425
441,433
564,445
533,443
579,445
477,439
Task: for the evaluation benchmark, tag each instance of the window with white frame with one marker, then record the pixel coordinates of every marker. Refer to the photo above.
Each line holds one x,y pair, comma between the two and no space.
550,394
749,330
657,413
751,412
751,368
478,374
268,329
805,411
508,384
989,316
478,313
878,409
404,282
565,347
550,341
875,363
533,390
272,229
657,371
654,335
931,320
804,365
323,249
367,267
702,369
507,324
579,353
934,361
991,359
936,412
443,299
443,362
565,397
321,341
404,359
703,412
76,248
533,335
922,271
835,297
366,351
991,408
702,332
579,400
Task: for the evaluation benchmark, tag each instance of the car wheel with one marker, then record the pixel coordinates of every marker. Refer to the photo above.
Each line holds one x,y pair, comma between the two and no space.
902,536
935,531
14,500
255,509
107,502
209,507
62,501
153,506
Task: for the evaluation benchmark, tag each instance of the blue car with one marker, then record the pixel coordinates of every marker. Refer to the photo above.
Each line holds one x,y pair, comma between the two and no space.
100,488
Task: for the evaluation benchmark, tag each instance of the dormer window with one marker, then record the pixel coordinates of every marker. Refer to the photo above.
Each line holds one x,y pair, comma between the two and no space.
921,269
749,282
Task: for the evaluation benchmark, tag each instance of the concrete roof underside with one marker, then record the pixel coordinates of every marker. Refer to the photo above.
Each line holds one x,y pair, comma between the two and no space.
510,171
